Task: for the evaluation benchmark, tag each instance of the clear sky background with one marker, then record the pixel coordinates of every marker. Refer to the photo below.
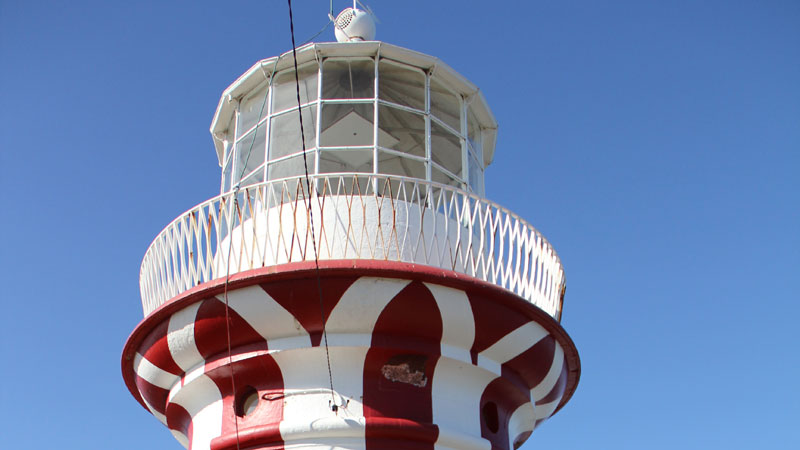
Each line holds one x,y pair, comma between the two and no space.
655,143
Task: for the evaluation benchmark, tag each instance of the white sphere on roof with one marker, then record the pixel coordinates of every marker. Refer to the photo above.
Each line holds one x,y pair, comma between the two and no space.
354,25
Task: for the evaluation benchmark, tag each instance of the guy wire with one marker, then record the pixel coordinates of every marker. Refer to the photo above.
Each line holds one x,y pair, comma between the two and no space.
334,407
235,208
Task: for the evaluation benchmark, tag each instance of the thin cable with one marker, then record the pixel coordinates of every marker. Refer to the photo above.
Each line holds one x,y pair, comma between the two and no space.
258,120
230,246
266,95
334,407
230,233
318,33
236,207
227,309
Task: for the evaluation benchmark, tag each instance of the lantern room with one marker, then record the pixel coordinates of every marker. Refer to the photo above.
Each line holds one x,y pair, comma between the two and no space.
367,107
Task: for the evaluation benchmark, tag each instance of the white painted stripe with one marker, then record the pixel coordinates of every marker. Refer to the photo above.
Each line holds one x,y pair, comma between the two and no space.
202,400
349,340
510,346
349,328
264,314
188,377
289,343
195,396
161,417
448,440
326,443
361,304
457,353
180,338
456,393
490,365
305,381
206,425
546,385
152,373
546,410
522,420
458,323
329,427
184,441
198,371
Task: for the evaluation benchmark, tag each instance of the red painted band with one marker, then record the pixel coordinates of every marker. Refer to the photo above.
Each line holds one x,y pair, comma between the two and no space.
351,268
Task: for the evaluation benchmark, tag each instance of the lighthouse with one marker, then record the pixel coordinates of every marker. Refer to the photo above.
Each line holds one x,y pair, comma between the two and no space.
351,287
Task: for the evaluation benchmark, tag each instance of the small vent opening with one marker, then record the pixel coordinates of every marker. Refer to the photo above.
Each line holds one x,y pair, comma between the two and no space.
489,416
246,402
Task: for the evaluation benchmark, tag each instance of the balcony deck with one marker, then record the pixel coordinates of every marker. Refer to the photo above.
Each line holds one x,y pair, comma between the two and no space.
355,216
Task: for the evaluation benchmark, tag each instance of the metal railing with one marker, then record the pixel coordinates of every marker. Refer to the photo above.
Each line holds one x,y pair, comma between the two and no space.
356,216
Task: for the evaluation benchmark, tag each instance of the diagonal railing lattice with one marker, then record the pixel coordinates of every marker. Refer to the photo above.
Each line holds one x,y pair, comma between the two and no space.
357,216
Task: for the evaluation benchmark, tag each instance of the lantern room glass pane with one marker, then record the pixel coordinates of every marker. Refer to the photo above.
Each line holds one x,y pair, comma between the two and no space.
284,88
401,130
446,149
445,105
348,78
441,177
250,151
255,177
401,84
250,110
392,164
347,124
285,133
291,167
331,161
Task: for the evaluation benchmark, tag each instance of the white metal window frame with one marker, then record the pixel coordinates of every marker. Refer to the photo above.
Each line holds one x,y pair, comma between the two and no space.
232,174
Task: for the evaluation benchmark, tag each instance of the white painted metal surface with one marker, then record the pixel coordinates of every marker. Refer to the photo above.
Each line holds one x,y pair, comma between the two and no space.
367,107
356,216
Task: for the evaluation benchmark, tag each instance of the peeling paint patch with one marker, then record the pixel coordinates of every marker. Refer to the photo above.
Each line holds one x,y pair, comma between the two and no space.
409,369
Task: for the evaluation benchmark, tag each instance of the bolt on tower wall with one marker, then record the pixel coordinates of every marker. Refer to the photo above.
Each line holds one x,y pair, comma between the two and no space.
440,309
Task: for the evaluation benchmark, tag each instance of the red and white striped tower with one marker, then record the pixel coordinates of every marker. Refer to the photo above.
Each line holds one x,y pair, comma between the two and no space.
352,289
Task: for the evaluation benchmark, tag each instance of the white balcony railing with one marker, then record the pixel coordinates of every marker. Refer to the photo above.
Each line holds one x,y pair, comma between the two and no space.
356,216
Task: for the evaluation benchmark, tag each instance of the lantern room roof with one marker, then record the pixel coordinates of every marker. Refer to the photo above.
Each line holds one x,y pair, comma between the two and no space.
262,71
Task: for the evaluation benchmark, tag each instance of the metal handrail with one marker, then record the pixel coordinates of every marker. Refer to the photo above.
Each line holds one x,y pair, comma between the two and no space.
356,216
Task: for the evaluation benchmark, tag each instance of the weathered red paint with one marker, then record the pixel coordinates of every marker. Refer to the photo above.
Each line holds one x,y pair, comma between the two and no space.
404,351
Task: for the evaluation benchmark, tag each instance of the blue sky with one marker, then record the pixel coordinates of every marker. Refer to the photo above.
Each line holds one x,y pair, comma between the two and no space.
655,144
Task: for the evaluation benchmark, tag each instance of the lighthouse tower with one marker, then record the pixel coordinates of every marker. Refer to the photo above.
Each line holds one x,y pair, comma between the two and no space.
351,287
